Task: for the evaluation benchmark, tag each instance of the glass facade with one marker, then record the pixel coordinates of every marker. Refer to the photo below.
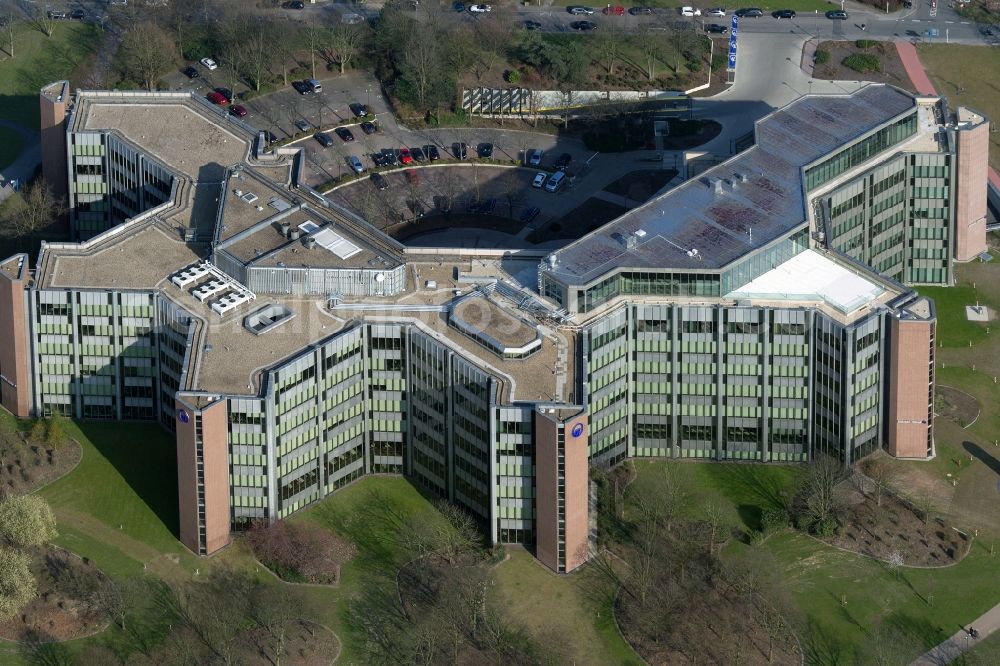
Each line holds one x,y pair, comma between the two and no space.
764,260
648,283
861,152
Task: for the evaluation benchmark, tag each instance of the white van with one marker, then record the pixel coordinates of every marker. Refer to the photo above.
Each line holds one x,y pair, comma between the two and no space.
555,181
690,11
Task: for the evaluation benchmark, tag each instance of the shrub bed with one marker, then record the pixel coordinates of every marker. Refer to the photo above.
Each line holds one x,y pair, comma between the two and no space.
300,553
862,62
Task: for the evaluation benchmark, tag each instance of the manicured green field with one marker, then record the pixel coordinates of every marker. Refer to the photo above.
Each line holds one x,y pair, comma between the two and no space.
39,60
954,329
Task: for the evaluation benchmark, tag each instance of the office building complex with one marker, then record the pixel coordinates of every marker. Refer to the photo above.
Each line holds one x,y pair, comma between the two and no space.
757,313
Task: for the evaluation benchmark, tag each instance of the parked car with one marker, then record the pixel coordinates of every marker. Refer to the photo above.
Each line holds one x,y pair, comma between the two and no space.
690,11
295,4
530,214
783,14
324,139
555,181
577,10
356,164
640,11
216,98
539,179
345,134
368,127
614,10
412,177
379,181
191,72
532,25
432,152
480,9
749,12
717,29
380,159
353,19
837,14
485,150
78,14
418,154
302,125
238,110
226,93
535,157
405,156
209,64
270,136
715,11
458,6
358,109
583,25
301,87
460,151
58,15
564,161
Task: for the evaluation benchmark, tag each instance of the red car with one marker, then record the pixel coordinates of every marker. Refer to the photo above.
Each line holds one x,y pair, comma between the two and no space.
238,110
404,156
617,10
217,98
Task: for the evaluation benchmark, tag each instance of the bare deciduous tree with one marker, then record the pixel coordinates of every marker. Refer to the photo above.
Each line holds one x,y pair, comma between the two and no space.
35,208
147,52
344,43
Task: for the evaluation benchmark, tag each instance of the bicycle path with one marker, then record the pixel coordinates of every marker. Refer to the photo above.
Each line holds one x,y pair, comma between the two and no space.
960,641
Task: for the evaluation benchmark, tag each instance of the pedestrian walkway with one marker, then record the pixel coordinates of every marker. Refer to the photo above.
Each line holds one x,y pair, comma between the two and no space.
952,649
914,69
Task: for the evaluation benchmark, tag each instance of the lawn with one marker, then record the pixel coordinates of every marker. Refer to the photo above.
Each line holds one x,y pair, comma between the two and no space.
948,66
560,608
844,596
40,60
10,146
954,329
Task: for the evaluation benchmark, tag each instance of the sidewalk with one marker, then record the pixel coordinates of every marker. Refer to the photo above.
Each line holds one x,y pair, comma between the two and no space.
952,649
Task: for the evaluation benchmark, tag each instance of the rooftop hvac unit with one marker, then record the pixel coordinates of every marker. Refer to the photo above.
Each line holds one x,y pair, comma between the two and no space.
310,242
285,228
294,234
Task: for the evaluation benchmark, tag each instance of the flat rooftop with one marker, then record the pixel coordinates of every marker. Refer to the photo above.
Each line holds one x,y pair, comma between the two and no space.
810,276
485,315
740,205
172,129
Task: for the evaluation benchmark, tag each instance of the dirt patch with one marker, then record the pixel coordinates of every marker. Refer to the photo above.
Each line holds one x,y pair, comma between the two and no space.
641,185
65,607
884,530
955,405
583,219
305,644
28,463
891,69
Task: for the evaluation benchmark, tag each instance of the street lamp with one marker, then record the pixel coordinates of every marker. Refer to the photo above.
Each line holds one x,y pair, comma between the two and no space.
368,91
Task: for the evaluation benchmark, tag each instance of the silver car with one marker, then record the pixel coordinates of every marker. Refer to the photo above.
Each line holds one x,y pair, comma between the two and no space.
356,164
581,11
535,158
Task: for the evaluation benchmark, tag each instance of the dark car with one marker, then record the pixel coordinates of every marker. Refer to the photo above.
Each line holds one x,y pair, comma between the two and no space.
324,139
302,88
78,14
564,161
391,157
583,25
532,25
749,12
485,150
460,151
191,72
238,110
226,93
379,181
432,152
270,136
717,29
58,15
837,14
359,110
530,214
380,160
368,127
295,4
418,154
640,11
458,6
344,134
784,13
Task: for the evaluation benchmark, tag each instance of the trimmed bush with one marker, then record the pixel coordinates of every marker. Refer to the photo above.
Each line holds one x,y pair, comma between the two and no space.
513,76
865,43
821,57
772,520
862,62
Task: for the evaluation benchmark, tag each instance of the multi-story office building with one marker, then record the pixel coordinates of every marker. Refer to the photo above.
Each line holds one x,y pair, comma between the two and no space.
294,348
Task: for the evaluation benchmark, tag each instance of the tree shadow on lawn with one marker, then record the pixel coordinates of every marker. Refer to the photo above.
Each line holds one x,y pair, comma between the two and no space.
986,458
752,488
146,460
